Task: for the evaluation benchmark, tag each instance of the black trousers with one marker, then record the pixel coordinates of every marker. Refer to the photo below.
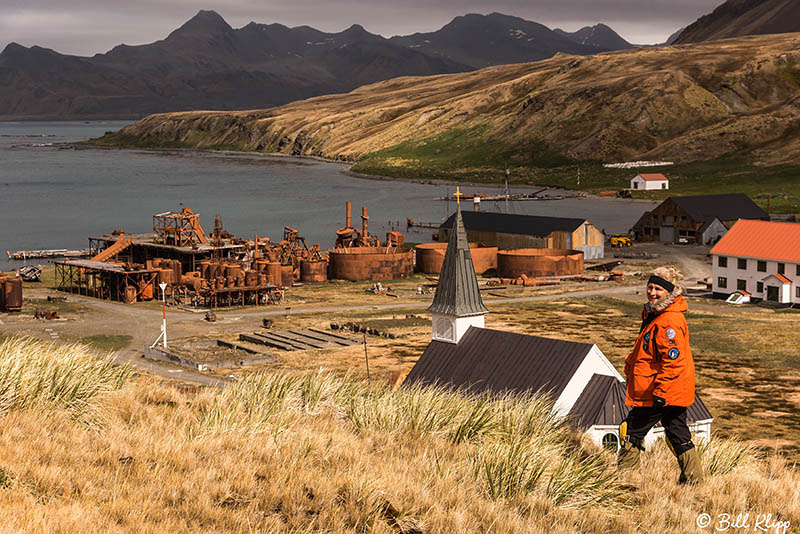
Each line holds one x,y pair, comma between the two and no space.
673,419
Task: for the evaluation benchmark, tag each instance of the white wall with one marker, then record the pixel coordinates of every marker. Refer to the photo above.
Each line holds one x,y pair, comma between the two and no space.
701,433
752,276
648,185
595,362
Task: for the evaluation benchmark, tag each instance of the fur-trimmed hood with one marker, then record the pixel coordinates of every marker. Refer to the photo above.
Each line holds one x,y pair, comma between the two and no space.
662,304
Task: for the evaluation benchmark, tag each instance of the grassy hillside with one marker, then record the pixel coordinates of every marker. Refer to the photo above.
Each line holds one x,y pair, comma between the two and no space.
726,107
324,453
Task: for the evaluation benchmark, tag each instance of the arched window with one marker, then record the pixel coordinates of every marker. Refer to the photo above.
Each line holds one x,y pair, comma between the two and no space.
611,442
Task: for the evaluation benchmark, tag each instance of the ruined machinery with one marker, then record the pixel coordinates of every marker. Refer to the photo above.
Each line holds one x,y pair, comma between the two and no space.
360,256
212,270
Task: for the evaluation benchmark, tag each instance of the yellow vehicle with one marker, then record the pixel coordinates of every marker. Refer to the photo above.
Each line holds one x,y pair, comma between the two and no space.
620,240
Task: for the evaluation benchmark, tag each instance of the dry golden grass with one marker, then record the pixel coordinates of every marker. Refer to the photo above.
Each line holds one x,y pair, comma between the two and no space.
320,452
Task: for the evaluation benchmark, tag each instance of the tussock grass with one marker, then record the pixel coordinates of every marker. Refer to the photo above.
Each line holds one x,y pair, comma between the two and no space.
330,453
721,456
34,374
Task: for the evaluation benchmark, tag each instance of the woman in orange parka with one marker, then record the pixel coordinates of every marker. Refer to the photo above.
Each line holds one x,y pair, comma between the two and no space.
660,375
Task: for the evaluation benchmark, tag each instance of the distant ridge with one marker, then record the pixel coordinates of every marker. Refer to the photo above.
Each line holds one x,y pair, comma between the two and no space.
600,36
207,64
737,18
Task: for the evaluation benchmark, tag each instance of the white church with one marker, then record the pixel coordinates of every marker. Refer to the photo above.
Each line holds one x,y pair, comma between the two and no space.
464,354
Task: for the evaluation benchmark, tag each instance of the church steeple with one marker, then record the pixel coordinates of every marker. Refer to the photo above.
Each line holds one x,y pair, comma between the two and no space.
457,304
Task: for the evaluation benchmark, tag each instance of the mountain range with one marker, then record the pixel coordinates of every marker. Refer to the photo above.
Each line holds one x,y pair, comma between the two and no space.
207,64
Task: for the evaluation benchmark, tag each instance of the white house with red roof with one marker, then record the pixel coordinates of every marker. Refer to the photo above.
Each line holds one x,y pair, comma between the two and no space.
649,182
760,259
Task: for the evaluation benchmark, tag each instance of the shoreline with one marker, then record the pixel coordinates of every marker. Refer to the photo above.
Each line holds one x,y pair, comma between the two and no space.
571,193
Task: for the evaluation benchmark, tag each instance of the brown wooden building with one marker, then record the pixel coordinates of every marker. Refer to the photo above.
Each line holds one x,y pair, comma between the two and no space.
509,231
700,219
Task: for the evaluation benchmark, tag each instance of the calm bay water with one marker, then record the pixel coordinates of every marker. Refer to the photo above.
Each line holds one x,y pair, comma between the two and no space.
53,196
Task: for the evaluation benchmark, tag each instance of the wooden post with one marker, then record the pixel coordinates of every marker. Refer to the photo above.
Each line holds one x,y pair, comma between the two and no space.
366,357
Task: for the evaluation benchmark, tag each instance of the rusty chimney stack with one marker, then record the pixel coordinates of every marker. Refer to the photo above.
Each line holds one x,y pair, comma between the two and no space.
364,220
349,214
256,252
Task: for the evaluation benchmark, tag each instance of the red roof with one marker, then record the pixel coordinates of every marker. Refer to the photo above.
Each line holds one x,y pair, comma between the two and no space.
782,278
761,239
653,177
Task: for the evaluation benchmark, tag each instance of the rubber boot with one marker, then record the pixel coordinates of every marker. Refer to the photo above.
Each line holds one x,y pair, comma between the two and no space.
691,467
629,456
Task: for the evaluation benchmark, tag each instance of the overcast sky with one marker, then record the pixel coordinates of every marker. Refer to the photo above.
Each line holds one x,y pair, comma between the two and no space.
86,27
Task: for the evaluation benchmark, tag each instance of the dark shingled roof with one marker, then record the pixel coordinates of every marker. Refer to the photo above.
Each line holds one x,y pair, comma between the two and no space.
457,292
505,223
500,361
603,403
728,207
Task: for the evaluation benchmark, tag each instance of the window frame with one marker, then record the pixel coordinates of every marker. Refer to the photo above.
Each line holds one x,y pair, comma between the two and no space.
741,285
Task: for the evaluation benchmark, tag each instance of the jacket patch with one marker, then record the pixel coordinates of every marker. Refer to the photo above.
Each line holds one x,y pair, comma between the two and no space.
670,333
673,353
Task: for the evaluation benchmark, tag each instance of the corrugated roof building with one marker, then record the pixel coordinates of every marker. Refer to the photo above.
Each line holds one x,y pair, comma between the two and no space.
649,182
700,219
510,231
761,258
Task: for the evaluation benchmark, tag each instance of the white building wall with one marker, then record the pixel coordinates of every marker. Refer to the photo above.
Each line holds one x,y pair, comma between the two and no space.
752,276
595,362
450,329
648,185
701,433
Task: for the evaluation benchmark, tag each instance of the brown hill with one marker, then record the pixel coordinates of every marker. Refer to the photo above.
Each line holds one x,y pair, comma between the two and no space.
737,18
683,103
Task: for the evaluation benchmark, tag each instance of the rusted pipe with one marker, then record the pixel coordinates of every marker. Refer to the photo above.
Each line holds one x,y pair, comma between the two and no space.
364,221
349,213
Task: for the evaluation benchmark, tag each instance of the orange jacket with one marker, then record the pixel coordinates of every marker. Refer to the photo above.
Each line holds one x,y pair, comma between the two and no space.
661,362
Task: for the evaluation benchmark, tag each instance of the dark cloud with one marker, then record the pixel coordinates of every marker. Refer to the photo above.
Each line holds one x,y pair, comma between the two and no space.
85,27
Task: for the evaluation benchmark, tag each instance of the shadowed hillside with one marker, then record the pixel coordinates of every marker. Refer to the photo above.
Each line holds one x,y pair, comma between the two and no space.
736,18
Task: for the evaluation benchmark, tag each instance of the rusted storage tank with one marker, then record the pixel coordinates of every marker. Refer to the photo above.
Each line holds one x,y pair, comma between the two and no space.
165,276
263,279
251,278
370,263
539,262
287,275
233,269
314,271
2,292
12,294
177,270
203,266
430,257
260,265
274,273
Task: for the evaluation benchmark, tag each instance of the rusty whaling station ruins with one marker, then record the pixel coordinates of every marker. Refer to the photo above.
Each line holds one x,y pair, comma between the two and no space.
219,269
